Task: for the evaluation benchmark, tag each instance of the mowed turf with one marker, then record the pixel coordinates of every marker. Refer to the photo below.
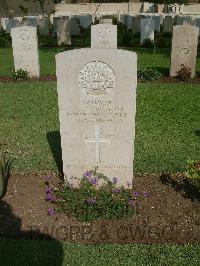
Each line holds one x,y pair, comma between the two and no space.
146,58
41,252
167,126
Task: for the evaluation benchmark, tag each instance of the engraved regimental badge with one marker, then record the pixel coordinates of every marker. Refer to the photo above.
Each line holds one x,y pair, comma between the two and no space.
96,78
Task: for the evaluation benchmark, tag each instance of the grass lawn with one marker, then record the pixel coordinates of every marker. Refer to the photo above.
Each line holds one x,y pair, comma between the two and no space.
146,57
43,252
167,126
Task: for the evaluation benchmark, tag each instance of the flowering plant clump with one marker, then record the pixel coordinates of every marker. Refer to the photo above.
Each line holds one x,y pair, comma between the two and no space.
49,196
96,197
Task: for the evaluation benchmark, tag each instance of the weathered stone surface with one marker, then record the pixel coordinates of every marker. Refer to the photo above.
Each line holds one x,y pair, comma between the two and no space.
147,30
25,49
97,105
8,24
63,32
184,48
148,7
104,36
136,24
168,24
43,26
156,20
74,25
85,21
55,20
106,21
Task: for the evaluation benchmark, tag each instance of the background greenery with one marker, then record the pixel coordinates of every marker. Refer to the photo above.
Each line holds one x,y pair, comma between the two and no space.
146,57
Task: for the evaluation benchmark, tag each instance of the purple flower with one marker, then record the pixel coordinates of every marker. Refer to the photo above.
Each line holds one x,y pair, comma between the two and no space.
49,197
115,180
132,203
135,194
93,181
48,190
47,178
91,201
128,184
116,190
87,174
145,194
50,211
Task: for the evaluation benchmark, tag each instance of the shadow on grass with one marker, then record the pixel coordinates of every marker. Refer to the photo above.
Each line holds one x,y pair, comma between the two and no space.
185,188
30,250
163,70
54,141
197,133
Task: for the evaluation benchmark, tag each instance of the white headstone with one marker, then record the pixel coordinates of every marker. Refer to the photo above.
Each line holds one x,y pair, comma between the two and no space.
97,105
74,25
147,30
184,48
104,36
25,49
63,32
148,7
136,24
8,24
129,22
168,24
85,21
106,21
43,26
156,23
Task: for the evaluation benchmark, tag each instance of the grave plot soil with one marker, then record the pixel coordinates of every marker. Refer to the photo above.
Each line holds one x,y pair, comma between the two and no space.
171,214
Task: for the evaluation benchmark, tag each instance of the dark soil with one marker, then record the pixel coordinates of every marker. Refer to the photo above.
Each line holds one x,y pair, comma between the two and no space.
163,79
171,214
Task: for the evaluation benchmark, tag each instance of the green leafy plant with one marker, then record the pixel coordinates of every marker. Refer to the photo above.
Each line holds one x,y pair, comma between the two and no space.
148,74
125,38
147,43
19,74
162,42
114,20
193,173
4,173
184,74
97,197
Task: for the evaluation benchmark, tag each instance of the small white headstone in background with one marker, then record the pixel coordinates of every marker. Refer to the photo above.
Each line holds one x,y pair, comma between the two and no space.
156,23
85,21
184,48
104,36
148,7
168,24
106,21
63,32
136,24
25,49
74,26
147,30
43,26
8,24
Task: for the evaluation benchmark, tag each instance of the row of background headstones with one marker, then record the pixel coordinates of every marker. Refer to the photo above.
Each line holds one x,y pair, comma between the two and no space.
104,36
131,21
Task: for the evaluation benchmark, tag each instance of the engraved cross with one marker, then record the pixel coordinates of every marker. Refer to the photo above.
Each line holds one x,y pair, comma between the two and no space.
97,140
